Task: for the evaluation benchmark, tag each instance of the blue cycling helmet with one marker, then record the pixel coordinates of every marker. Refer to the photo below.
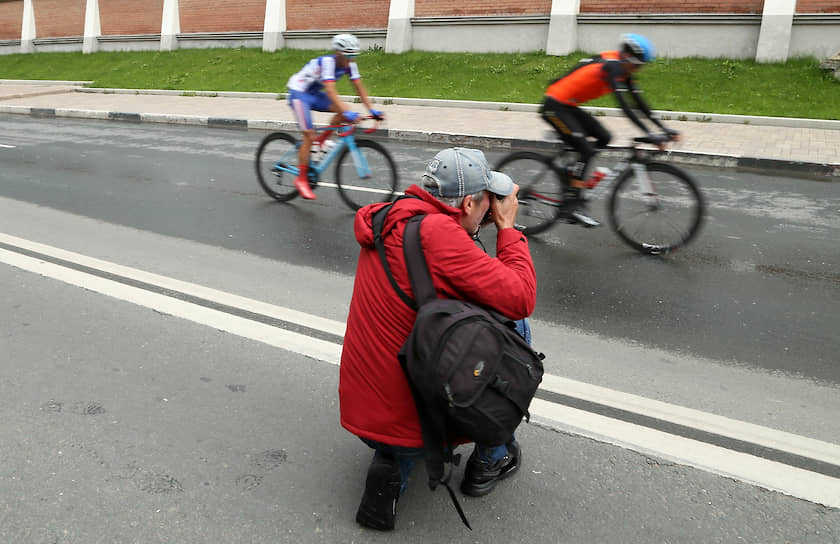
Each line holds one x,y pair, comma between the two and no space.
639,47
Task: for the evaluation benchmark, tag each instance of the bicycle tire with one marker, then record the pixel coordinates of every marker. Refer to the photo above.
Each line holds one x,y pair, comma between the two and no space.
540,188
660,228
277,184
380,187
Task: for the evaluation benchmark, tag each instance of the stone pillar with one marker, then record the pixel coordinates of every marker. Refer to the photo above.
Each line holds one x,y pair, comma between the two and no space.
774,37
275,25
170,26
399,37
562,27
27,31
93,29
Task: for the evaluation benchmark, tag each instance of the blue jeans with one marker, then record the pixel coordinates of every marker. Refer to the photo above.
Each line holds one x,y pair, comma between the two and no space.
524,329
406,457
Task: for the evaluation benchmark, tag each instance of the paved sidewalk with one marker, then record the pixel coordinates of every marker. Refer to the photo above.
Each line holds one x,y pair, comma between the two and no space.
799,149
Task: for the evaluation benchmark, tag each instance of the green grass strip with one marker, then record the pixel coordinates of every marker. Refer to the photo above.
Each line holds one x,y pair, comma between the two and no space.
796,88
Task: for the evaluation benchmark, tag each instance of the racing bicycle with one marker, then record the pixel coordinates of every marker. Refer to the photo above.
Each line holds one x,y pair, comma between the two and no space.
364,170
654,207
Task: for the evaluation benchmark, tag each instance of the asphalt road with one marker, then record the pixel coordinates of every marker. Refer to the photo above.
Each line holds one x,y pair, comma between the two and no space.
759,287
123,424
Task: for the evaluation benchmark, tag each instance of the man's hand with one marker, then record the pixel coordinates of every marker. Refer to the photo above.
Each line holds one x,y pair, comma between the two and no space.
378,115
503,211
351,116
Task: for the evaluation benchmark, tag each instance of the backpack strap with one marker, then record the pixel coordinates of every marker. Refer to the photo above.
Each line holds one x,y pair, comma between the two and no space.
436,448
415,262
379,242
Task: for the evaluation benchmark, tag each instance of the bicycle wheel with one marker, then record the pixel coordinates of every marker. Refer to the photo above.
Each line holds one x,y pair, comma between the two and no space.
661,222
540,188
376,184
276,164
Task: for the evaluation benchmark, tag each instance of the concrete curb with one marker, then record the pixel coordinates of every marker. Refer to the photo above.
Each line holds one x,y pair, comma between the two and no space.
823,171
755,120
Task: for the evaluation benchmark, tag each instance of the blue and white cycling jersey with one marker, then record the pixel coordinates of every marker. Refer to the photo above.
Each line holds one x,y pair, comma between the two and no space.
313,75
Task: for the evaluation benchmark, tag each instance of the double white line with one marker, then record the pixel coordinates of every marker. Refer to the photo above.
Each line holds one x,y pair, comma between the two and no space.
795,465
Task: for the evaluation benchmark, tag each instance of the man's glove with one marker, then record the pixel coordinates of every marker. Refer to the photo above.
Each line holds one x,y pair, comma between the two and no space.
378,115
351,116
674,134
658,139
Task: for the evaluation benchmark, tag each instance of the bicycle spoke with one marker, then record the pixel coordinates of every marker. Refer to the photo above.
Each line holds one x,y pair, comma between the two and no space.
367,175
664,225
276,165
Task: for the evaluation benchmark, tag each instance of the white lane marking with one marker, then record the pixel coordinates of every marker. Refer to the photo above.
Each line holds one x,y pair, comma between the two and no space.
769,474
274,336
747,468
357,188
256,306
4,146
695,419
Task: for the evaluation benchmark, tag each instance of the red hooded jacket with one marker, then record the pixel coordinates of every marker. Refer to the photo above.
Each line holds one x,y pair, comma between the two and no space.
376,402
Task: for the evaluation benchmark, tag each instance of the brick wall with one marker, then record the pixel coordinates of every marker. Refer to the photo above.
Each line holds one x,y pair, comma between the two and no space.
818,6
222,15
671,6
59,18
121,17
450,8
336,14
11,18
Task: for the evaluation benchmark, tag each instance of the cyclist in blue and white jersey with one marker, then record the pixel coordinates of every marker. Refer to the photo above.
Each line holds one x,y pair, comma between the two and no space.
313,88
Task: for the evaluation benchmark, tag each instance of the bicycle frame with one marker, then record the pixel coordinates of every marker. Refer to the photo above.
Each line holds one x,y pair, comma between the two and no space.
345,139
635,159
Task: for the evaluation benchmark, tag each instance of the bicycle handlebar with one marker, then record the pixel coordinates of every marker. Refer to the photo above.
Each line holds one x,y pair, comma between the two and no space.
346,128
655,139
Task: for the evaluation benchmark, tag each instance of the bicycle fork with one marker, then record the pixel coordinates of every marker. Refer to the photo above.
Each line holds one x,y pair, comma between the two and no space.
359,161
646,187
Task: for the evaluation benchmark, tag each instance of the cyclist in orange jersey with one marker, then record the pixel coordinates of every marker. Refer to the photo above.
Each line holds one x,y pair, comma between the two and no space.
606,72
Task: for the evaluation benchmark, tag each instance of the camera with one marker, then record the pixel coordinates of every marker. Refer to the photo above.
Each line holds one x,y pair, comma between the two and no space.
488,215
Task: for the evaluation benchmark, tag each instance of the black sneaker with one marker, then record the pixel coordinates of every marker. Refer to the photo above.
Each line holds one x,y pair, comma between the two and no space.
480,477
574,211
378,508
581,216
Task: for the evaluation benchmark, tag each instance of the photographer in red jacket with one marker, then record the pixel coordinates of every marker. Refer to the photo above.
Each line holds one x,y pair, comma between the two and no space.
376,402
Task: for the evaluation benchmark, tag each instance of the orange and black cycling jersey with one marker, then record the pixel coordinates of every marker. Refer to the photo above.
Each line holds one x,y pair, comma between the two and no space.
590,79
594,77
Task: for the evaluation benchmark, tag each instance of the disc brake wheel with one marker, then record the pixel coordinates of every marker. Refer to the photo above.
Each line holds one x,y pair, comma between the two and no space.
540,189
660,222
275,153
376,183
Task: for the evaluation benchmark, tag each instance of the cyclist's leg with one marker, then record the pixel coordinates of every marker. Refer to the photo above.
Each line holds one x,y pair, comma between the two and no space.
566,120
302,105
325,105
595,130
563,120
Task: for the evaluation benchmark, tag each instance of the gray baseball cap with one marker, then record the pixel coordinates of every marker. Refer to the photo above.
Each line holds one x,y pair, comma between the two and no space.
459,171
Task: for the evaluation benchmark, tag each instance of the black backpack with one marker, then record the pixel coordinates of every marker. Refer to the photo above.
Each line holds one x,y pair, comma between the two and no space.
471,374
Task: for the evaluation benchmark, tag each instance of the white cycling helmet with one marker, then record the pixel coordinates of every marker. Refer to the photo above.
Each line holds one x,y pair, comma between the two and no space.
346,44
